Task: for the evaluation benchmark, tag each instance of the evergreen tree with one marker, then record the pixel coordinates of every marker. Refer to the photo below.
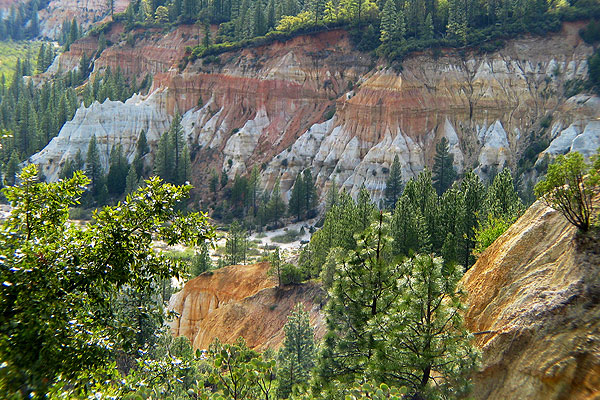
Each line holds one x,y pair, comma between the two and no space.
185,167
502,199
236,245
253,189
162,160
276,205
310,194
141,150
393,184
332,196
12,169
365,209
404,228
388,21
474,193
132,181
93,170
201,262
296,357
117,171
443,168
41,62
297,198
423,334
364,286
427,33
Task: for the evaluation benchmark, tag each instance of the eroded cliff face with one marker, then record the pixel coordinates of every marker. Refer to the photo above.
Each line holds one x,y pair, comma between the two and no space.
534,304
112,122
85,12
241,300
314,102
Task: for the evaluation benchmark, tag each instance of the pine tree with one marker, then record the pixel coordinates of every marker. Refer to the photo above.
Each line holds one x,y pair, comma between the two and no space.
276,205
141,150
364,286
457,22
332,196
117,171
443,168
310,194
365,209
41,67
297,203
296,357
427,31
405,229
271,15
132,181
94,171
393,184
423,334
236,245
201,262
12,169
253,189
474,193
162,164
185,167
388,21
502,199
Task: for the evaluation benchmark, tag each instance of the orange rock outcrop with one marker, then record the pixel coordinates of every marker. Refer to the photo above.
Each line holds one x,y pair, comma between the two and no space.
534,304
241,300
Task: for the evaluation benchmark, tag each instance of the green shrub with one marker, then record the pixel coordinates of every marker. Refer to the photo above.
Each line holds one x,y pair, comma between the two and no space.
291,275
287,237
486,235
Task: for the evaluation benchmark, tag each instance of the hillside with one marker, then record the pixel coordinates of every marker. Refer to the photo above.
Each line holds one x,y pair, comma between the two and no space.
241,300
534,306
315,102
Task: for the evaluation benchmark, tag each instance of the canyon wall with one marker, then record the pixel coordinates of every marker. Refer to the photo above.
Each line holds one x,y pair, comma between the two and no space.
85,12
241,300
534,306
315,102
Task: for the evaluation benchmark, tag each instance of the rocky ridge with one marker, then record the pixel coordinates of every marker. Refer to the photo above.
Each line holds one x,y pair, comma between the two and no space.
534,305
312,102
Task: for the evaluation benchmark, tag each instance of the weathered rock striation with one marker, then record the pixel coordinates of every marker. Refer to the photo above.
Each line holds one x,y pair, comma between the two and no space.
314,102
534,299
85,12
241,300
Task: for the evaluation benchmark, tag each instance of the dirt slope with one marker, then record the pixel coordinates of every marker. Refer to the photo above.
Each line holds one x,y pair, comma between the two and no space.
241,300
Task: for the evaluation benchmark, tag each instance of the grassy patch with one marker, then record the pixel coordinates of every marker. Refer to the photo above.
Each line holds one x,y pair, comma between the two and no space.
10,51
288,237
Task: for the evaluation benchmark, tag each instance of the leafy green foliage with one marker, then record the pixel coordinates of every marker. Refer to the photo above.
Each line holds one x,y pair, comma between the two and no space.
67,325
238,373
488,233
567,189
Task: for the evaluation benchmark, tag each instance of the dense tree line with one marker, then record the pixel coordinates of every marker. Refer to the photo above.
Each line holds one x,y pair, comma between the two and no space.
396,27
22,22
33,115
421,220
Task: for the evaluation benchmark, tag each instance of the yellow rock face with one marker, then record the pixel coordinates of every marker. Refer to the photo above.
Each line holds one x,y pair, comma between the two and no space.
241,300
534,304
